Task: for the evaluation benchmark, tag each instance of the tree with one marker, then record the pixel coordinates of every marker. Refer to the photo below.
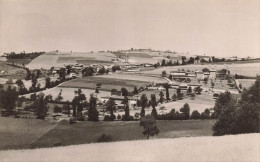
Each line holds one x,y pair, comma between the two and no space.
189,90
186,111
174,97
248,112
153,103
205,114
88,71
167,86
115,68
164,73
41,106
205,70
8,99
179,94
126,117
57,109
183,58
198,90
78,102
19,83
124,91
149,124
135,91
224,108
144,101
92,111
240,86
62,73
110,106
195,115
101,71
161,97
169,63
34,81
191,60
47,82
163,63
59,97
212,84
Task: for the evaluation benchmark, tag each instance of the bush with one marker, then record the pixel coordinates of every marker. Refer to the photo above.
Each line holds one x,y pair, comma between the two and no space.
105,138
72,120
119,117
109,117
195,115
81,118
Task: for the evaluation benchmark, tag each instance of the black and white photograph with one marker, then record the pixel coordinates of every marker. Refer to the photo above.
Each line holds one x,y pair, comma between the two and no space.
129,80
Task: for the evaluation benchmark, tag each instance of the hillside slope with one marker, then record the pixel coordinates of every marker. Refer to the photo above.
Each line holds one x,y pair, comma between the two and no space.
243,147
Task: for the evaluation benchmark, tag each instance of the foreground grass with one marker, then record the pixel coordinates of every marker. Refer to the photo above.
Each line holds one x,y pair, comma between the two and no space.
20,133
15,133
244,147
88,132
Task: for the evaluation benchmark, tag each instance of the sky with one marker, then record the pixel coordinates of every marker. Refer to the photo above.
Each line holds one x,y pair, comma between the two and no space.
211,27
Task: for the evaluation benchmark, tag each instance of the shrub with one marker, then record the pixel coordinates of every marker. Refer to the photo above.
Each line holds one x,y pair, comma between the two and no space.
105,138
72,120
195,115
81,118
119,117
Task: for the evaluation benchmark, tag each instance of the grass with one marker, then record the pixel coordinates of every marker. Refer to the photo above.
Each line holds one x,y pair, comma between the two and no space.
247,69
88,132
20,61
243,147
15,133
107,83
135,77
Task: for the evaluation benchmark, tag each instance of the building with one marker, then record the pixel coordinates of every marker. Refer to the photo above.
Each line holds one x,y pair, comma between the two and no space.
212,74
199,75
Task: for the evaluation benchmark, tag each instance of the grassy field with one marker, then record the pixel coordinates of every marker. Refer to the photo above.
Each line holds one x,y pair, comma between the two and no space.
20,61
246,83
135,77
243,147
16,135
107,83
88,132
13,72
247,69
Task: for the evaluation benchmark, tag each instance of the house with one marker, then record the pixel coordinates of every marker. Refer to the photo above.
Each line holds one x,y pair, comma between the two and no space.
212,74
178,74
206,74
199,75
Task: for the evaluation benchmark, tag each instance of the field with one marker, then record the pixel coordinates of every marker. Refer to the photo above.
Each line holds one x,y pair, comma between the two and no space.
19,62
15,133
243,147
249,69
12,72
135,77
49,60
107,83
68,93
246,83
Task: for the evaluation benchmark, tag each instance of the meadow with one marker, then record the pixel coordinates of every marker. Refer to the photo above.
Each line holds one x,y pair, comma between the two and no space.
248,69
107,83
204,149
88,132
18,134
135,77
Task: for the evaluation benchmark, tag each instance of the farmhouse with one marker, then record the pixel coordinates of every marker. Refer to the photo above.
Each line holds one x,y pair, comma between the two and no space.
212,74
178,74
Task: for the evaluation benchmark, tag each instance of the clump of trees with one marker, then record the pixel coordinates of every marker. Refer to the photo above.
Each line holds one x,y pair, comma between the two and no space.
92,111
8,99
238,117
149,124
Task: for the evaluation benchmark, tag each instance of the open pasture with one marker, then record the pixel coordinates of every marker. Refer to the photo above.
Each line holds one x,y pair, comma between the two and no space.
249,69
107,83
135,77
88,132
